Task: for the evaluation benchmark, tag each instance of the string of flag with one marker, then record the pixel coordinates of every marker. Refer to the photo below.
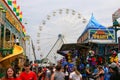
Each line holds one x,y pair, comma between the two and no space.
17,11
15,8
23,29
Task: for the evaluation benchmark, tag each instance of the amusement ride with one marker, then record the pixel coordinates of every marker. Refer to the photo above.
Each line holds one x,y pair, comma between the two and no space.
58,27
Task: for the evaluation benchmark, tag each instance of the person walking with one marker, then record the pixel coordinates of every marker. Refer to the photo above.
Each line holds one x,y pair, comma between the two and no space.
115,75
66,72
75,75
10,74
58,74
106,72
49,72
27,74
39,74
100,74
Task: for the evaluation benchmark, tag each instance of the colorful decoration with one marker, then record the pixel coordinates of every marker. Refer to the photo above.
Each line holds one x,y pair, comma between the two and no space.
20,16
9,2
114,57
18,10
15,8
100,60
91,53
69,57
23,30
91,59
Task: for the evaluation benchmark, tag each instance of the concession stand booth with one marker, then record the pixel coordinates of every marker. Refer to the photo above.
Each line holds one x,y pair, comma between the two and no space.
101,40
95,46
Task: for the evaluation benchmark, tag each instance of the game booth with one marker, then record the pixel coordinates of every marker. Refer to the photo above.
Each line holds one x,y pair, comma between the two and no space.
103,48
95,46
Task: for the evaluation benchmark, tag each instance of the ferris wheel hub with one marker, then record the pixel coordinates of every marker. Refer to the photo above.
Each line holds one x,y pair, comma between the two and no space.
60,36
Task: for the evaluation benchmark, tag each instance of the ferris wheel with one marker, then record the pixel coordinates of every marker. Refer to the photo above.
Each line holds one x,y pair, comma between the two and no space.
58,27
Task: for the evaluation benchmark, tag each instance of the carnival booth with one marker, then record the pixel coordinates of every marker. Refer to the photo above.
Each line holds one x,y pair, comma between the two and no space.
73,51
101,40
74,54
95,46
12,37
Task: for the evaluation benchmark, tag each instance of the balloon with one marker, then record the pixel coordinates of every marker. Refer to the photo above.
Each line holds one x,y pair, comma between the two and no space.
69,57
69,60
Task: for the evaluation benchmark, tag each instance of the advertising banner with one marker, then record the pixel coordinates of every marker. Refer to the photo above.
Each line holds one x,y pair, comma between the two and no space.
102,35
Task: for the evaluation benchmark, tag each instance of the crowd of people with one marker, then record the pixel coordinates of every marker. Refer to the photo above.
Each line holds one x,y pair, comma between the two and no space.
59,72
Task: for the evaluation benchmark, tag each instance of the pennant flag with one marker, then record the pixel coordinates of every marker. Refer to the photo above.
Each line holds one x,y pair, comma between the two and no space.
23,30
20,19
14,6
18,10
20,16
9,2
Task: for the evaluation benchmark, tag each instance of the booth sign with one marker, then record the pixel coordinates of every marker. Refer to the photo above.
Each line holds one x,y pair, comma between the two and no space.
102,35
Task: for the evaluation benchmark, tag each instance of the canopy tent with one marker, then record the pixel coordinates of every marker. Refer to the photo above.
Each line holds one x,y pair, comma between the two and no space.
73,46
93,24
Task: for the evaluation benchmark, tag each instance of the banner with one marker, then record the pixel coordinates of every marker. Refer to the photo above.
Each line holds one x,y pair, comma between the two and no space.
102,35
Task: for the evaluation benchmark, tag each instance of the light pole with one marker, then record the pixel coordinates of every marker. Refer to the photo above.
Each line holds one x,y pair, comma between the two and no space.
116,27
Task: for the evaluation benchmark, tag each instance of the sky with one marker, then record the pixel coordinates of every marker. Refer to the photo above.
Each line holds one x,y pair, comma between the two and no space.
34,12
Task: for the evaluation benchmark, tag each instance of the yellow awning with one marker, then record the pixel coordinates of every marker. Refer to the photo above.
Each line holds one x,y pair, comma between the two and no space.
16,51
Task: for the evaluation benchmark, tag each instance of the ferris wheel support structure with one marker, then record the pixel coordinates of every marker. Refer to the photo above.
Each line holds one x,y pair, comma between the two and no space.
60,37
